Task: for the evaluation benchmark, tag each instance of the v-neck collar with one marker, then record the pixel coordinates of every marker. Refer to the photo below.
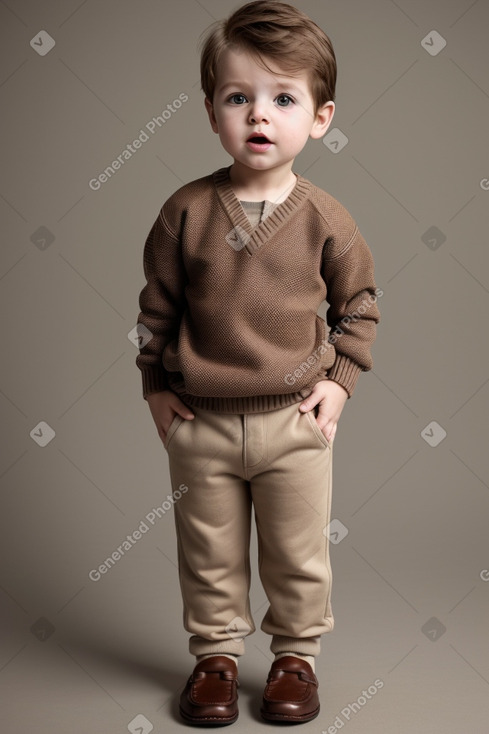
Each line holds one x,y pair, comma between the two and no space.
257,236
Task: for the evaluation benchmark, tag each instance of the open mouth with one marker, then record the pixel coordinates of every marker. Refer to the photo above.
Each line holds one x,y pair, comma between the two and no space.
258,142
258,139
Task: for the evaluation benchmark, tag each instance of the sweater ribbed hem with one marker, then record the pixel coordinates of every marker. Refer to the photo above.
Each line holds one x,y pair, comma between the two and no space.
345,372
154,380
252,404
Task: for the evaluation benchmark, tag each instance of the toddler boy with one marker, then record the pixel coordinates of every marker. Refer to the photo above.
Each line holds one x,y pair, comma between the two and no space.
243,381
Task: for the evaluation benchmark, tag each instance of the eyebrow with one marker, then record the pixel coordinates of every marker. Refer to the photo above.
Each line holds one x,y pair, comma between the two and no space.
238,84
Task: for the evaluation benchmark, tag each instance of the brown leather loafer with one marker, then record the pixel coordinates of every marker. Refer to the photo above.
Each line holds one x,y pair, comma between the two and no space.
291,693
210,697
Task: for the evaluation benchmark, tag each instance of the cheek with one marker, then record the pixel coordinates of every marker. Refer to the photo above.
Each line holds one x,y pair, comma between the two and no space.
227,133
228,123
294,131
299,126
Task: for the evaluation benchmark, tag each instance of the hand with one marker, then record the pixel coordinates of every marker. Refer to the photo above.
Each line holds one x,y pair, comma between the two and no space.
164,405
331,397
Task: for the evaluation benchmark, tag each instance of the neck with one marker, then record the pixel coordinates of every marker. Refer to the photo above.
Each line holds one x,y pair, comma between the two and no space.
274,184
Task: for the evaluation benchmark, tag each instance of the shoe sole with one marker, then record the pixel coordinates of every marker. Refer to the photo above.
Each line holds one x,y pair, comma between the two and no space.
287,718
207,721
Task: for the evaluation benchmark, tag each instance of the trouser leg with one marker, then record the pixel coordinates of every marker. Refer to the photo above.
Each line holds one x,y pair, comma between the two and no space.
213,519
291,493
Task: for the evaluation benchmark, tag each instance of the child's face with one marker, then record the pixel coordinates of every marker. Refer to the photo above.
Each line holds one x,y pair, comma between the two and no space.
249,99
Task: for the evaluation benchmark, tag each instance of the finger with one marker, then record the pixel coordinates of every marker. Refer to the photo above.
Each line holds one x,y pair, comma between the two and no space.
184,411
309,402
185,414
323,422
326,424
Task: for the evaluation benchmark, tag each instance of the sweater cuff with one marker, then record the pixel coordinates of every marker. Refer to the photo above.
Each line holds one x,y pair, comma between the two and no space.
154,380
345,372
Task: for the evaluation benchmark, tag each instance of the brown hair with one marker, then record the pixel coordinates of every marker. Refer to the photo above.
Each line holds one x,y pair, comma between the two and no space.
278,31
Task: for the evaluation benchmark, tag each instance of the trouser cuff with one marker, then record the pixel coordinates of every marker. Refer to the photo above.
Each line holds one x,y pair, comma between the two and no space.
303,646
200,646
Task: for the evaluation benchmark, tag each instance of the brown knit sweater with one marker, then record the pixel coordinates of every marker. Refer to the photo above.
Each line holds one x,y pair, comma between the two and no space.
231,309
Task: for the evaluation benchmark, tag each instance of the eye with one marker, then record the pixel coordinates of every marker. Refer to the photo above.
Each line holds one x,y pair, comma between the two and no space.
237,99
283,100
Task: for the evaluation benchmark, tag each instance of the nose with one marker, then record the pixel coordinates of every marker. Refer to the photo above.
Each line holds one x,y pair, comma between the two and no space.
258,114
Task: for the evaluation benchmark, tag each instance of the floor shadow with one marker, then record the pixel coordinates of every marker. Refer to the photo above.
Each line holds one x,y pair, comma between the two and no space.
169,675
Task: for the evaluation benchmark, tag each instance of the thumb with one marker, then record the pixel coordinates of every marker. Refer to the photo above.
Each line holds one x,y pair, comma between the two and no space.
307,404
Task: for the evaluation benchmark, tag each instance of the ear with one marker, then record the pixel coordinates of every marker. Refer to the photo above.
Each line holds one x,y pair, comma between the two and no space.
210,111
324,115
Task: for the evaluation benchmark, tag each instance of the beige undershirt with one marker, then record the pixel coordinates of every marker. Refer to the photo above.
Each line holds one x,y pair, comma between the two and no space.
256,211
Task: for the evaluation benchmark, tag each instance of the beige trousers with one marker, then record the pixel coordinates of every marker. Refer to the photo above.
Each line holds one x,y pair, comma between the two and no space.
222,465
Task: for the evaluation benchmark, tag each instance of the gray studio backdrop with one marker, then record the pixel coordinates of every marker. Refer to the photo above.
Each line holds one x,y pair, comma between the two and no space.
82,466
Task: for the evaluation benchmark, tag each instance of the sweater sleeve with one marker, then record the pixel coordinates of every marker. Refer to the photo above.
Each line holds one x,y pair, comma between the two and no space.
348,271
162,302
